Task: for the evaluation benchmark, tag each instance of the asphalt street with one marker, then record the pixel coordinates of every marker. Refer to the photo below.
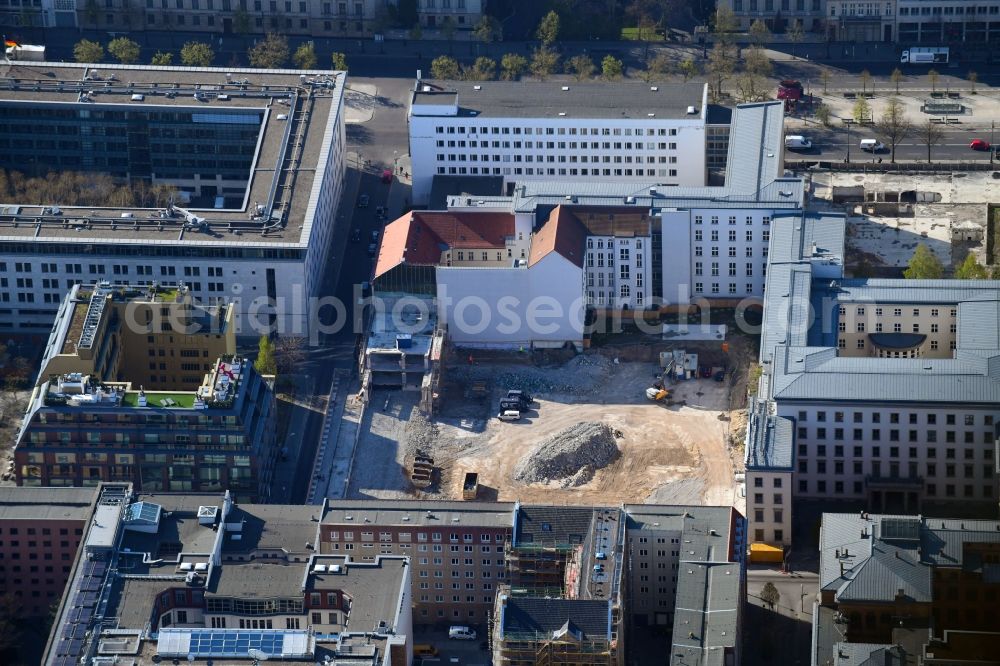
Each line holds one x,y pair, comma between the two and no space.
831,144
779,635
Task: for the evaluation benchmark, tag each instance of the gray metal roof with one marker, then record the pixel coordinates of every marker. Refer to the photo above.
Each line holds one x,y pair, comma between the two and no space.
538,525
811,374
755,146
707,606
979,325
770,441
914,292
874,557
706,613
620,100
798,337
868,654
532,615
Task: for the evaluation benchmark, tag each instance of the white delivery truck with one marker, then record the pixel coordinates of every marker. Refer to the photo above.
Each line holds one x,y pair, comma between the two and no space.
925,55
29,52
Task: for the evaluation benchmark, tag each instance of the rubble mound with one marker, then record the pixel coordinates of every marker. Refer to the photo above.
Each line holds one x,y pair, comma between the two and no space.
570,456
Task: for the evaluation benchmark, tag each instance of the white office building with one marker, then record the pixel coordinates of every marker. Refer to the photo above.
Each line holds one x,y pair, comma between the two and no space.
703,242
854,407
573,132
254,160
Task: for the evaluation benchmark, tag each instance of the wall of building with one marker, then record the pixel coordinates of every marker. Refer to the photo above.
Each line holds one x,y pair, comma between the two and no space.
652,575
769,506
671,151
857,320
538,305
470,557
36,557
727,252
79,446
330,18
950,460
618,272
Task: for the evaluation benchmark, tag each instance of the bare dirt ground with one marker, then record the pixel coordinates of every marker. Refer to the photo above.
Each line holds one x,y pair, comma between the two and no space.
674,453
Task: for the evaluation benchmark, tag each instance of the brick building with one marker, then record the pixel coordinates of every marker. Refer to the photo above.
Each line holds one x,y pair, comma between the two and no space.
40,530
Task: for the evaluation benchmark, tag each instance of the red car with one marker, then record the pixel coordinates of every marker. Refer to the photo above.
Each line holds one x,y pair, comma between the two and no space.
979,144
386,176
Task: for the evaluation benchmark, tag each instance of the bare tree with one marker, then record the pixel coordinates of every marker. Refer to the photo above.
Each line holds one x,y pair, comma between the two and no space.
824,77
933,77
893,125
866,80
720,68
930,133
896,77
973,79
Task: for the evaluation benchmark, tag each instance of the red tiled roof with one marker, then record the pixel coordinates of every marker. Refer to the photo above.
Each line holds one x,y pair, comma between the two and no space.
419,237
562,233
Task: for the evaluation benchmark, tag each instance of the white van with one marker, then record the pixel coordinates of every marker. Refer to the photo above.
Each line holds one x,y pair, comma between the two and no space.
872,145
461,633
797,142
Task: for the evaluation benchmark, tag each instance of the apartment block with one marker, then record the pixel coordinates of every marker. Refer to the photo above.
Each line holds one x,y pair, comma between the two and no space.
330,18
922,589
155,337
197,577
581,132
455,549
40,531
246,218
110,406
882,392
551,582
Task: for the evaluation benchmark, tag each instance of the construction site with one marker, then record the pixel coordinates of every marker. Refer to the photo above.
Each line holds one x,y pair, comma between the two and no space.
618,424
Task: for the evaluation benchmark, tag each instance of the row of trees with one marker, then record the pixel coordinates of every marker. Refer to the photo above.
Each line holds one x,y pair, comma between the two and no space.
924,265
513,66
272,52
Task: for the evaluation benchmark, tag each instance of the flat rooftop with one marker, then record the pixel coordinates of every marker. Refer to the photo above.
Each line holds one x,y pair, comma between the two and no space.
410,315
299,111
619,100
429,513
26,503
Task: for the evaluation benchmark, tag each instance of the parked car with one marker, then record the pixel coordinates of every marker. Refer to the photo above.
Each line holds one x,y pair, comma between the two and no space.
872,145
461,633
387,176
356,235
600,555
372,249
363,201
424,650
979,144
518,394
375,236
509,415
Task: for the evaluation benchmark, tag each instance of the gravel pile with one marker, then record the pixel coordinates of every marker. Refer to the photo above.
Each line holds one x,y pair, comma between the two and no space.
570,456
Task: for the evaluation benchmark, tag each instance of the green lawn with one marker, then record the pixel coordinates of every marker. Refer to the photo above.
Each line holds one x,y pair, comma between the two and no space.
632,34
153,398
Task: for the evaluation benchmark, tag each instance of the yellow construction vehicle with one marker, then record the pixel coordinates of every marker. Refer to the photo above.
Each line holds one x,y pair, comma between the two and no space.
657,394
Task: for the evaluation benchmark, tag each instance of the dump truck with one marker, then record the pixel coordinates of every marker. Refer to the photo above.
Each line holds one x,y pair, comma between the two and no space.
470,486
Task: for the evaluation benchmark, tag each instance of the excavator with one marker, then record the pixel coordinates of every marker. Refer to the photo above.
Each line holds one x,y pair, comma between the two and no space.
657,394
